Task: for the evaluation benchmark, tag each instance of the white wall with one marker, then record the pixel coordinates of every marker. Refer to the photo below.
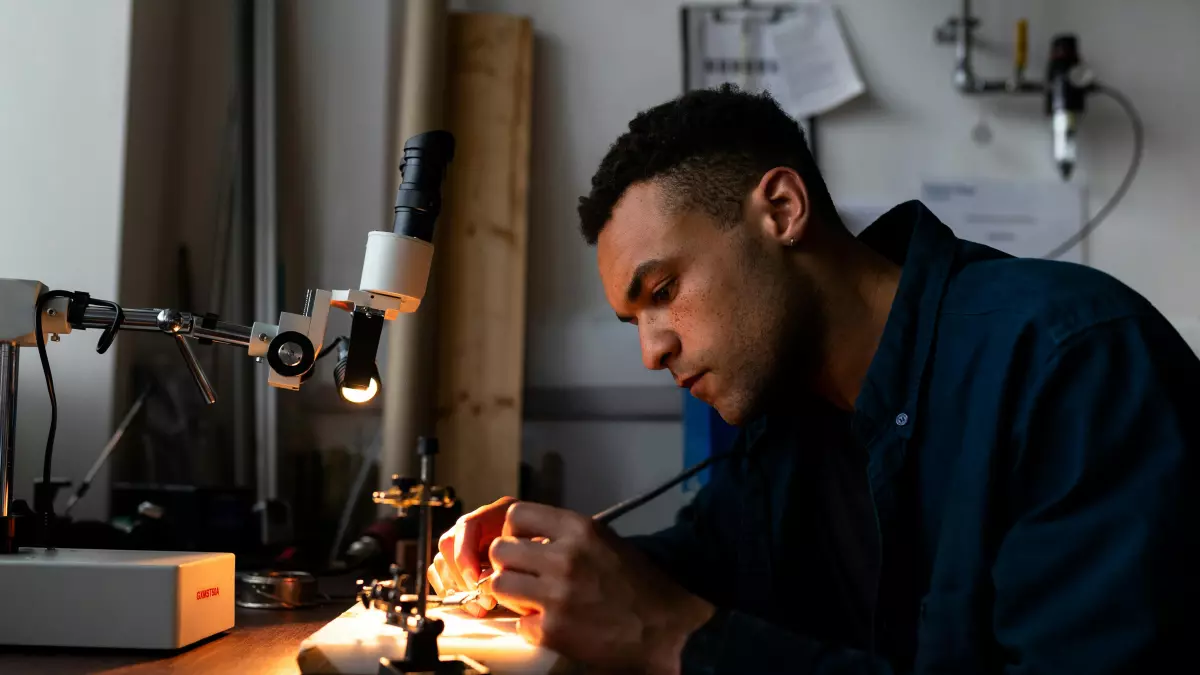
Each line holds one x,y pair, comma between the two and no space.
914,119
63,84
598,63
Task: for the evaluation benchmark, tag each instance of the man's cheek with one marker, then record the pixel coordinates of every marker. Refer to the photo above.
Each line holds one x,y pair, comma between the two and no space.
691,317
693,342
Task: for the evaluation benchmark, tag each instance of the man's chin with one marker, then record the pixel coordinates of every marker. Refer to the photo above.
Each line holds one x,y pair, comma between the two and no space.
740,410
731,414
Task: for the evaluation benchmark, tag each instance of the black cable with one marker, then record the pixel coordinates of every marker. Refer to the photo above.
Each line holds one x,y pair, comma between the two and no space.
47,506
110,334
617,510
325,351
330,347
1130,173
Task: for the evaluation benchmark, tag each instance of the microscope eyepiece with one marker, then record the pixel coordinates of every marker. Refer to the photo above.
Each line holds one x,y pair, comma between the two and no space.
397,263
419,199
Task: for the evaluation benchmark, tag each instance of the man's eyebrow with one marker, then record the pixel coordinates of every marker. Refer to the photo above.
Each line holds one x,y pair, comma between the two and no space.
639,275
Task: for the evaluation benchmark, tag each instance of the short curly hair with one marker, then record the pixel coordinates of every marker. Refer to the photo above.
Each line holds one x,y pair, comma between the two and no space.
711,147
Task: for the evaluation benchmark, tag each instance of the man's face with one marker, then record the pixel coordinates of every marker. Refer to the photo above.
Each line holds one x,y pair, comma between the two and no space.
719,306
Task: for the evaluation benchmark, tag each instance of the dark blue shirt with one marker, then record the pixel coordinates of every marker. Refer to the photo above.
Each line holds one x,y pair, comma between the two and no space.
1016,490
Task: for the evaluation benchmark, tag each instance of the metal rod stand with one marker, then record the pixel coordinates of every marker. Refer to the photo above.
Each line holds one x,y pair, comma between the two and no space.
426,449
9,354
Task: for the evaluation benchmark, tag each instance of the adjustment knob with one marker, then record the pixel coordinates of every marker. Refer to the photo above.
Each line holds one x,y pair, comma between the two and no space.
291,353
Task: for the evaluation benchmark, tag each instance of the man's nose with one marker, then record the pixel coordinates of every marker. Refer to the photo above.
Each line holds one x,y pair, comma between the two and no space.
659,346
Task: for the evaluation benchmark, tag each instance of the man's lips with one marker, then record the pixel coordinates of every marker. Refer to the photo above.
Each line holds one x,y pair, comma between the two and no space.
690,381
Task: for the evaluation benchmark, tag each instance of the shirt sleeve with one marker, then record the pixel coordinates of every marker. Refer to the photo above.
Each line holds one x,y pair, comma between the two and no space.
1096,570
692,547
697,552
733,643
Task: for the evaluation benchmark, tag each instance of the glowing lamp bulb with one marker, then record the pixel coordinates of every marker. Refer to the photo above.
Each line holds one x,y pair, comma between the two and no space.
352,394
361,395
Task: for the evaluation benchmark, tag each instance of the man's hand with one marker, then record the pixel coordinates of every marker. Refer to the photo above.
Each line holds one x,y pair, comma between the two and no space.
588,595
462,550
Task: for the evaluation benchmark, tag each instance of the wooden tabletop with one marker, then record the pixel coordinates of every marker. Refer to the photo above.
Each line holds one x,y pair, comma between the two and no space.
263,642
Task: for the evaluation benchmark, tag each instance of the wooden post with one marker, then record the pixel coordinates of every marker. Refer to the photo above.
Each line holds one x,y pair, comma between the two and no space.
481,259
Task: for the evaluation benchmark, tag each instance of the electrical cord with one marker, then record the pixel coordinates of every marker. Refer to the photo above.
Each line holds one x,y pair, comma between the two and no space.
325,351
110,333
46,508
330,347
1134,163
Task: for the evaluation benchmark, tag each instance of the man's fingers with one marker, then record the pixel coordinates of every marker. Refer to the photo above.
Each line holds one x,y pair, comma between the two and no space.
465,551
473,533
518,591
522,555
530,628
445,575
435,580
529,520
473,609
444,559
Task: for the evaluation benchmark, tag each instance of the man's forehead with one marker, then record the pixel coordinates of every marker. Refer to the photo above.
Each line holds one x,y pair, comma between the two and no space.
639,226
646,197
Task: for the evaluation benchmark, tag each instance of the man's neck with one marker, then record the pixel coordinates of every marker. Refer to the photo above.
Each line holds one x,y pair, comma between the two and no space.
859,286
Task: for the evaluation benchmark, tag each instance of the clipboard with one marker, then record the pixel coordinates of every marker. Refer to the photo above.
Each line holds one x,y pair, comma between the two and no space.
796,51
702,70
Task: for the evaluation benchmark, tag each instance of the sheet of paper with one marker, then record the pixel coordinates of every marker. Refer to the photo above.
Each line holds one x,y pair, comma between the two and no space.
815,60
1027,219
797,52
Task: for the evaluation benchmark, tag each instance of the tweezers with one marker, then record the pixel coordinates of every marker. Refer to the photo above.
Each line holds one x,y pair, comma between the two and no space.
460,598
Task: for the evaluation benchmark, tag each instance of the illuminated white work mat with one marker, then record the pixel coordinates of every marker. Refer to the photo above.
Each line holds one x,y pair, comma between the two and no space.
353,642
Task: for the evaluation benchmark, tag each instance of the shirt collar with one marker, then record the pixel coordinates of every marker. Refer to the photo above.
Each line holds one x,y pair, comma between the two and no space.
911,236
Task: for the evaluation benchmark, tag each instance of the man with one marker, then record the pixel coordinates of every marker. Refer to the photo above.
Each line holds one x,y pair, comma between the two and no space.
951,460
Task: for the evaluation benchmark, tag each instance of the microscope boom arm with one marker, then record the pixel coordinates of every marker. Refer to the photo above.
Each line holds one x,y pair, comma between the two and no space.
290,347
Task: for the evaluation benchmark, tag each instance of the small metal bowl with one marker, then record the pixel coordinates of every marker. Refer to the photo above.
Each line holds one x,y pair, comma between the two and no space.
276,590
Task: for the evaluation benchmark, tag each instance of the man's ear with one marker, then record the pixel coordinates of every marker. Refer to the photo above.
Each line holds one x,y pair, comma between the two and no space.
781,200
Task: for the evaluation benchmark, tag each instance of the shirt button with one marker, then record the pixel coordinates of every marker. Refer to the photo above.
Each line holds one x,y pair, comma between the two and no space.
901,419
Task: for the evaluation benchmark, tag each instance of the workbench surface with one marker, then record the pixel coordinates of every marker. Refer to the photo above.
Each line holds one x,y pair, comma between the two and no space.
263,642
